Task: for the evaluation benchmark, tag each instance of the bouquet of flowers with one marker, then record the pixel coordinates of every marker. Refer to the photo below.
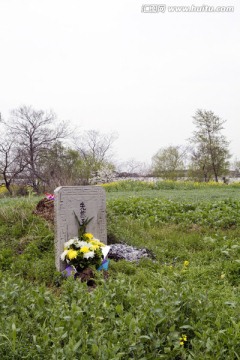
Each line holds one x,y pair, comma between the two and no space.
84,252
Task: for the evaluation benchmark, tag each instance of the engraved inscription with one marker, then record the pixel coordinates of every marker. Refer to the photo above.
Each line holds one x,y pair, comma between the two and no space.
82,213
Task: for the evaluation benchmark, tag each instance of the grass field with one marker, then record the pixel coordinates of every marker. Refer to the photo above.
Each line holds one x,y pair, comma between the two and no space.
182,305
184,195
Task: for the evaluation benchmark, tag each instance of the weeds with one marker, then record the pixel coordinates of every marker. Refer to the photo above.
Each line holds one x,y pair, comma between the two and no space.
182,305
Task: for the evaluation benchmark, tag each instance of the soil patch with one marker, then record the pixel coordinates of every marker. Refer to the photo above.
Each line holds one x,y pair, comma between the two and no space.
45,209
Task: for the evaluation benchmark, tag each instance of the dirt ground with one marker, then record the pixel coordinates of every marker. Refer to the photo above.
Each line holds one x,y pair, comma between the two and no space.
45,209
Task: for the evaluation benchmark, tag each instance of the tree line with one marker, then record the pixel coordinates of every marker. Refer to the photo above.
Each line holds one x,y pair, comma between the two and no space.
205,158
34,151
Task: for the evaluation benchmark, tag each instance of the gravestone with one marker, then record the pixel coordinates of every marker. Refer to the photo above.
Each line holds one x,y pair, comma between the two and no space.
84,201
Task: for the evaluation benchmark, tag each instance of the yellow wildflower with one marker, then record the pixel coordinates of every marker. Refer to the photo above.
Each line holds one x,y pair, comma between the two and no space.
72,254
186,263
183,339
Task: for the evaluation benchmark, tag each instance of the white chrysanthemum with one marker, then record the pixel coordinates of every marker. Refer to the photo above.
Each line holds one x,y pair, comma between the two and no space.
70,242
63,255
77,243
88,255
84,243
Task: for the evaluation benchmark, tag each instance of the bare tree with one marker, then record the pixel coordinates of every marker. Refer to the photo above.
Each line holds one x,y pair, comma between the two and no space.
11,162
96,145
34,131
133,167
95,149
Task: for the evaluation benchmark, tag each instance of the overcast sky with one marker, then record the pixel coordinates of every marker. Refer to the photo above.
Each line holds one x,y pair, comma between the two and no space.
108,66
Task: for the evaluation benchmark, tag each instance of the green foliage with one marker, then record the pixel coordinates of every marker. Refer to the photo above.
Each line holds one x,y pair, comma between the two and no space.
3,191
26,241
210,154
168,163
62,165
122,319
6,259
143,310
17,190
82,226
220,214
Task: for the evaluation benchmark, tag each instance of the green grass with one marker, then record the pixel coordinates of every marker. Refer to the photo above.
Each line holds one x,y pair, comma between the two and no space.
200,195
143,309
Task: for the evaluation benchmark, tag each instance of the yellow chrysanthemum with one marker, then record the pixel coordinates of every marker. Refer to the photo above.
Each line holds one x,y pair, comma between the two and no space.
72,254
88,236
84,249
96,242
94,247
102,244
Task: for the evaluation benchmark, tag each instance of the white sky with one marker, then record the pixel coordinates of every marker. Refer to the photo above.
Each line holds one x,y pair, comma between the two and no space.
105,65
